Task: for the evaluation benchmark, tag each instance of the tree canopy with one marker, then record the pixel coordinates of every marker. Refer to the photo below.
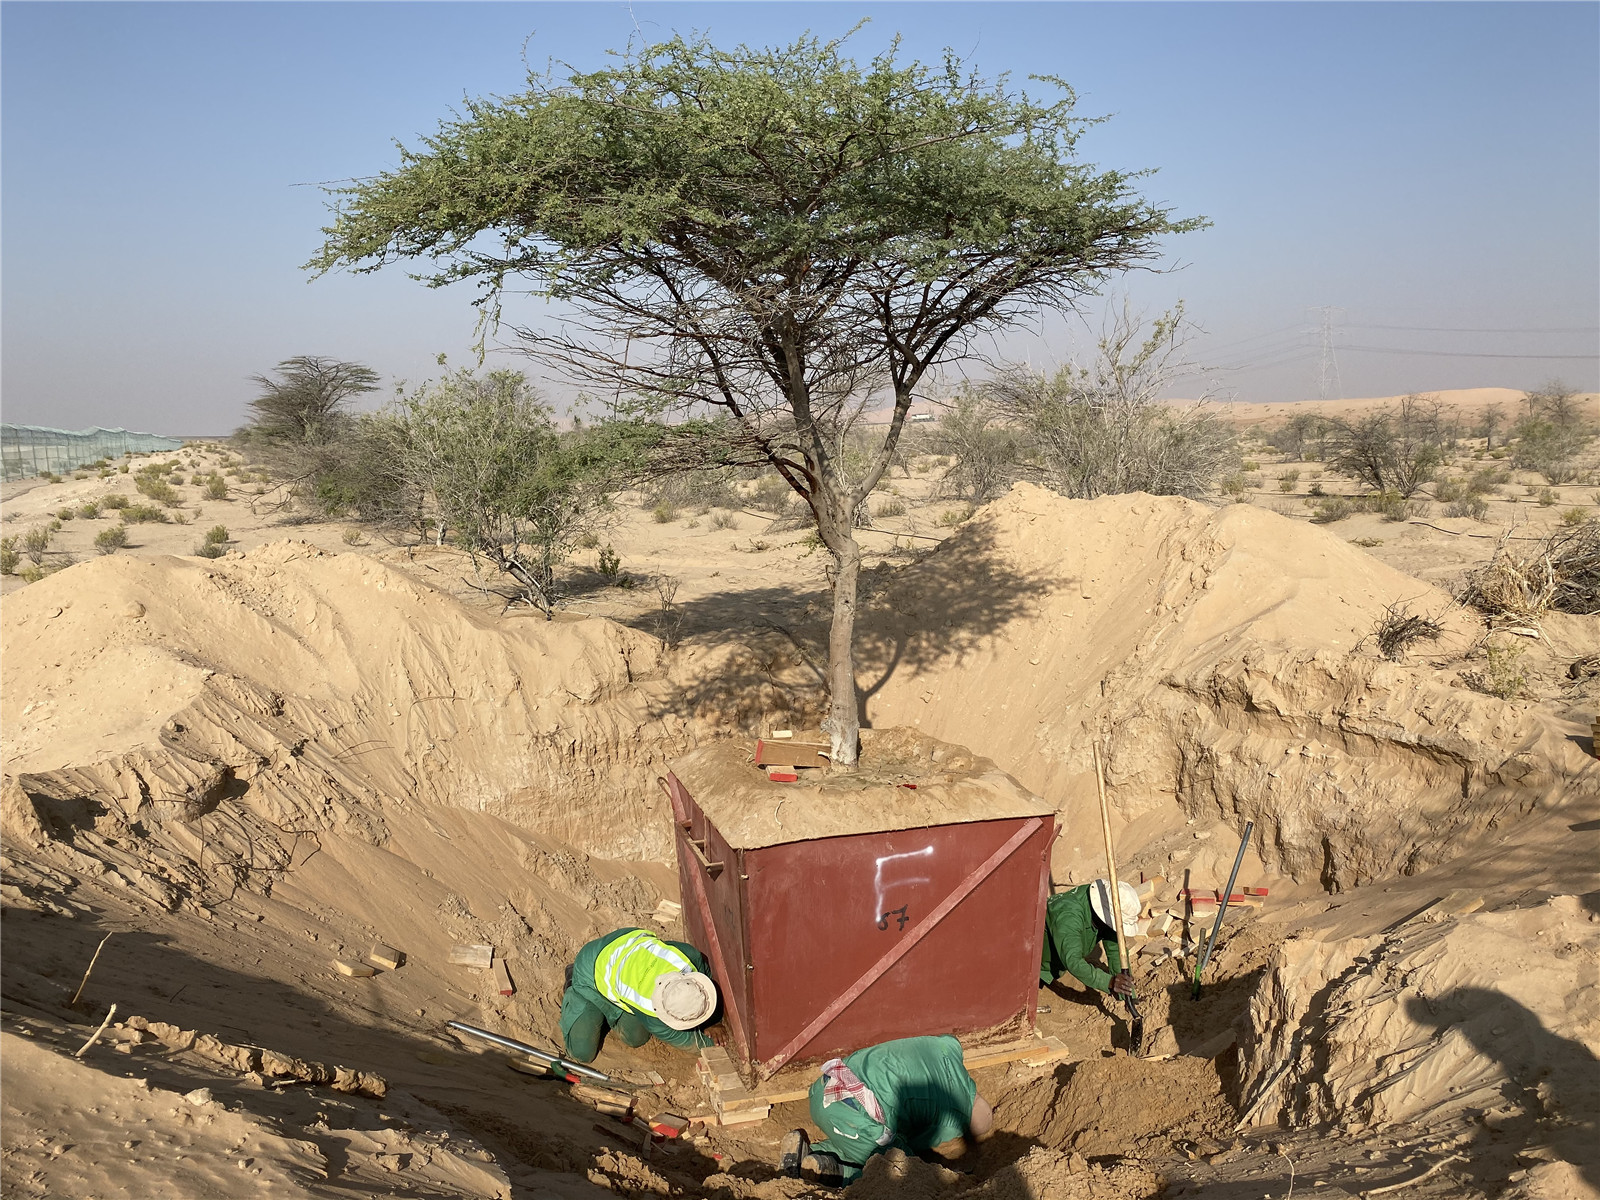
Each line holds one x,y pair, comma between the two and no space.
782,237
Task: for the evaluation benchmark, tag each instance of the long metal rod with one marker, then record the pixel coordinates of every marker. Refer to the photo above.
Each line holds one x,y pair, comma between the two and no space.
1222,910
1136,1021
543,1056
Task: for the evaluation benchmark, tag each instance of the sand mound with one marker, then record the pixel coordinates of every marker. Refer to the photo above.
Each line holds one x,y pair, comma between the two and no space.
324,683
1224,657
1493,1012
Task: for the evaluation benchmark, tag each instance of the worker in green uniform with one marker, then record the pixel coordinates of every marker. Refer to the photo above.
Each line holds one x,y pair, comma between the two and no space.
904,1096
632,981
1077,919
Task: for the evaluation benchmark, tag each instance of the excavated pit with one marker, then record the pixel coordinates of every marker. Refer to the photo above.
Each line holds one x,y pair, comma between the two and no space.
250,767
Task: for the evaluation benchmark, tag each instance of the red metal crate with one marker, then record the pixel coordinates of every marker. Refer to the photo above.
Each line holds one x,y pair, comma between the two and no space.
848,909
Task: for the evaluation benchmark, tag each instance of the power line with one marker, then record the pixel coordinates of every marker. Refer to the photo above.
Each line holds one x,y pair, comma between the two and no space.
1470,354
1328,365
1454,329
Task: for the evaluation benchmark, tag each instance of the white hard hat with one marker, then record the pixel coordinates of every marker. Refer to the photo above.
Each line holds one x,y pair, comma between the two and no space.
684,999
1100,901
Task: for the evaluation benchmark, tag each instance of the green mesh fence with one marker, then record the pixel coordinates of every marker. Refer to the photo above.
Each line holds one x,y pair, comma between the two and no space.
27,450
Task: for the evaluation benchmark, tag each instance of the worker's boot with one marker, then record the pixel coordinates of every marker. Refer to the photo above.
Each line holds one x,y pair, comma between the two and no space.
794,1147
824,1167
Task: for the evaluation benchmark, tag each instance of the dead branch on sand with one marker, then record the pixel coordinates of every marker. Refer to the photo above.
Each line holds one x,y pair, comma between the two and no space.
1562,574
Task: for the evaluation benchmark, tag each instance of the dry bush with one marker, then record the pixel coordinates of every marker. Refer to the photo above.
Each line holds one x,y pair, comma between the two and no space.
722,519
1399,629
115,501
1470,505
892,507
1503,673
1331,509
1561,573
9,558
109,541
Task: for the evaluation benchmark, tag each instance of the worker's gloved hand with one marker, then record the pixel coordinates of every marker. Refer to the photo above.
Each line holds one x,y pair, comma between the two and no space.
1122,985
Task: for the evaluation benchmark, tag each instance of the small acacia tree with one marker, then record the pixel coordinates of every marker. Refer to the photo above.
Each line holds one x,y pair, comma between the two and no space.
504,483
780,238
1393,449
306,404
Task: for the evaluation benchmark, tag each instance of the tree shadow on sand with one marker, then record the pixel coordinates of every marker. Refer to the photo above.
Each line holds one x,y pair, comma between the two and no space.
949,604
1552,1082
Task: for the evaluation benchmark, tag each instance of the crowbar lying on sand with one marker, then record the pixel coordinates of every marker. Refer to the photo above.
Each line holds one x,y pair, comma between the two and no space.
1136,1022
556,1063
1222,910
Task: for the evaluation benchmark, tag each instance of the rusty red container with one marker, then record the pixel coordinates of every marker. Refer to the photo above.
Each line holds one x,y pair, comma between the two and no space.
847,909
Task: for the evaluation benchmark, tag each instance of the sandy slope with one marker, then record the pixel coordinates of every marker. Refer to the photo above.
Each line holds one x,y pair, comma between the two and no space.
254,765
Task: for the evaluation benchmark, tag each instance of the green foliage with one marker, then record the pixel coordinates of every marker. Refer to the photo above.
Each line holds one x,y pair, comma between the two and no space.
9,558
35,542
484,452
1316,489
663,513
116,500
772,494
1503,674
353,537
66,514
307,401
89,509
216,487
1334,508
217,534
609,563
1574,517
1102,428
135,514
1391,506
157,489
1396,448
1471,504
1547,497
1287,481
1233,485
951,517
1447,490
122,468
1552,435
985,450
892,507
211,549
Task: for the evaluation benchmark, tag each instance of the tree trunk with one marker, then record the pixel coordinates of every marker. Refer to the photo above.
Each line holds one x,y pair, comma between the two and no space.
844,707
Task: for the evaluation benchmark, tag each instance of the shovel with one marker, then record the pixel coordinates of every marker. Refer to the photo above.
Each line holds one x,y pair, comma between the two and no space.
1136,1022
1222,910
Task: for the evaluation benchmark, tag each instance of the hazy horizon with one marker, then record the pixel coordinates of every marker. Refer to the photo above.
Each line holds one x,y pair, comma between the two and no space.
1429,172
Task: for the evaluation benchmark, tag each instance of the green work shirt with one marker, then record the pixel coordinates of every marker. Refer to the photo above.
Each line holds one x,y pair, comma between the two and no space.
1070,934
584,994
923,1088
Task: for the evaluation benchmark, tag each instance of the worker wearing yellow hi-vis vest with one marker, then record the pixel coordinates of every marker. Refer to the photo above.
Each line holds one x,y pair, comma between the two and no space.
632,981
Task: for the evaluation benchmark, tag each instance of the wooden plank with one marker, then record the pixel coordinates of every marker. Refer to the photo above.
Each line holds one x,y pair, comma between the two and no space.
900,948
786,752
475,955
386,956
502,978
354,970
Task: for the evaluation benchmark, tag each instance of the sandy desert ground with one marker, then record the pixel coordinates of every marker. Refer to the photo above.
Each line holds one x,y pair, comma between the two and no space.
247,767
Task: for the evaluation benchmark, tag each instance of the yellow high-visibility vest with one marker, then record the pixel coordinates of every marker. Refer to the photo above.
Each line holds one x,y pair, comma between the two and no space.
626,970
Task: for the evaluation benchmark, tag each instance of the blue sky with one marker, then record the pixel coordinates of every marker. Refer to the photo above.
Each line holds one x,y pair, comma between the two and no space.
1432,171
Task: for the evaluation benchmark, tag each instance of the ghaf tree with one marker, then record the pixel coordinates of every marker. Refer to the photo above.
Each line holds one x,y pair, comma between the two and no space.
776,242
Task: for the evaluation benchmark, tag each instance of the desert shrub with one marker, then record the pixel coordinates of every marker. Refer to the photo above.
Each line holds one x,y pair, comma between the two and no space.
1250,464
350,537
89,509
216,487
31,573
589,540
892,507
1391,506
664,513
1486,481
984,448
1445,491
1503,673
109,541
179,517
1366,543
1101,428
1331,509
211,549
1284,509
122,468
1233,485
758,546
66,514
217,534
157,489
35,542
116,500
608,563
772,494
1576,516
1392,449
1417,508
1561,573
951,517
1316,489
723,519
55,525
9,558
1470,505
1550,438
1287,481
136,514
1399,629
